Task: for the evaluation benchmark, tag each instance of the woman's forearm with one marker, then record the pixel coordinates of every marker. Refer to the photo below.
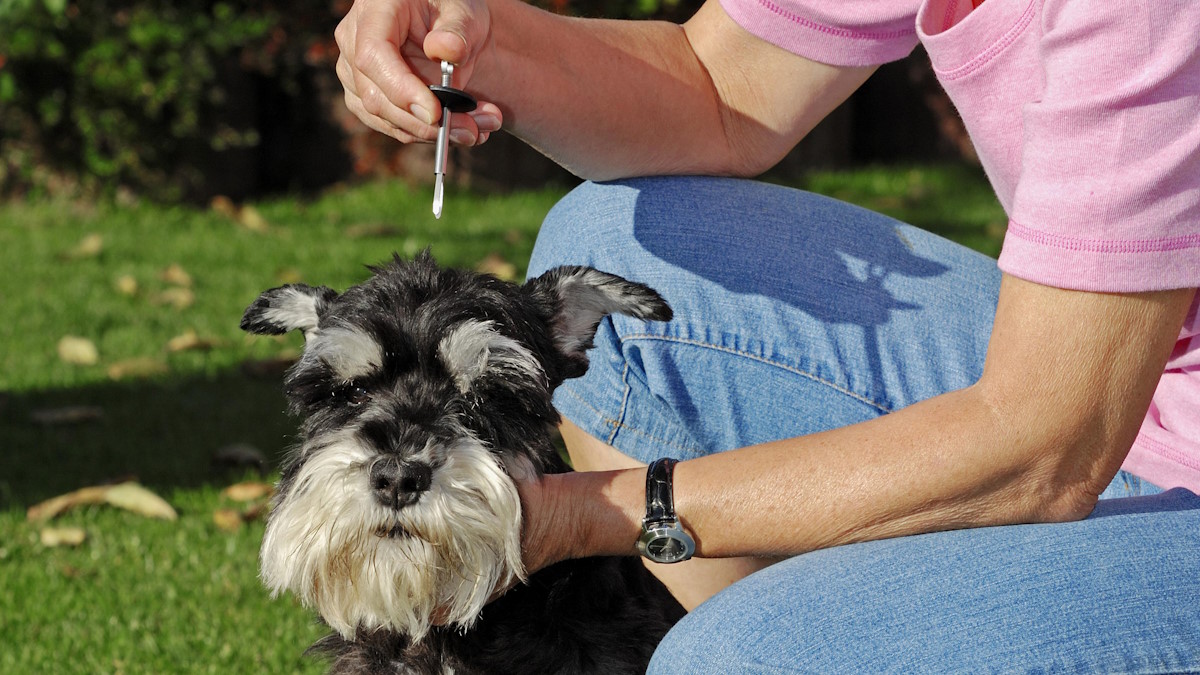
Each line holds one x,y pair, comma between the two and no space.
610,99
940,464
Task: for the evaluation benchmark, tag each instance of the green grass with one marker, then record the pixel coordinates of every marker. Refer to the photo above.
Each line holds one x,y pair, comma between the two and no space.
148,596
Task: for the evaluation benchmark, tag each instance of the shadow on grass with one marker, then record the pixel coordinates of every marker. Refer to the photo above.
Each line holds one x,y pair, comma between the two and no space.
163,432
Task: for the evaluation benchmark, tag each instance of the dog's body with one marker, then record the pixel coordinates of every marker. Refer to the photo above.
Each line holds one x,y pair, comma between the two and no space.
425,391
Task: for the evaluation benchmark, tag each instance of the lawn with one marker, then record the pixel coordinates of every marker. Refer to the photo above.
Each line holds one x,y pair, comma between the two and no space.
157,291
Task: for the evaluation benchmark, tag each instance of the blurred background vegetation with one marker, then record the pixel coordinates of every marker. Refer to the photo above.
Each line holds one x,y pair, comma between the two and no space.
191,99
163,163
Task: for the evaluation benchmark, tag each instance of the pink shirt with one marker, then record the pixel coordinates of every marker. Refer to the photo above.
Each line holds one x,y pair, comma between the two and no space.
1086,117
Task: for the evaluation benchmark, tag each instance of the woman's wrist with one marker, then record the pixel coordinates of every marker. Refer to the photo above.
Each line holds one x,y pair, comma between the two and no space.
599,512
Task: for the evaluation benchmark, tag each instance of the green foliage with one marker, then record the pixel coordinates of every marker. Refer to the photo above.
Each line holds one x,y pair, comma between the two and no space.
128,92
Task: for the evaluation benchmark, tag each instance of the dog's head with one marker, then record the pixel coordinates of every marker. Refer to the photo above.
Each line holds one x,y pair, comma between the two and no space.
424,390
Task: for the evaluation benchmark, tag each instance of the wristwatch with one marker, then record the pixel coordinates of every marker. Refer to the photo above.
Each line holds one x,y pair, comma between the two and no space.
663,538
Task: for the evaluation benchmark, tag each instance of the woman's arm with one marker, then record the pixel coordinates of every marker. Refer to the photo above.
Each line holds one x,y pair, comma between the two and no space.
1068,378
605,99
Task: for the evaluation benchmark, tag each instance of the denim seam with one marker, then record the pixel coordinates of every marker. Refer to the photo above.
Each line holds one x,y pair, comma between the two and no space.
619,424
761,359
645,434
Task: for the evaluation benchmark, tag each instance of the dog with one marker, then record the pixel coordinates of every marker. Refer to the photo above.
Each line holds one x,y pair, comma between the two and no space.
425,391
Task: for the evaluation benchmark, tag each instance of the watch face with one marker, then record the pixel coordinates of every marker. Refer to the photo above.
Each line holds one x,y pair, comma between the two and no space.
665,548
667,545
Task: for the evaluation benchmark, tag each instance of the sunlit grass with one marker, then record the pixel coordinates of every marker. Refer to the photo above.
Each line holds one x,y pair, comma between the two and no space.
148,596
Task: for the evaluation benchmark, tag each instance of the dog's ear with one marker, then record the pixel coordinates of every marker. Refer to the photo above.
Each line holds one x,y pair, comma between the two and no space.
581,297
287,308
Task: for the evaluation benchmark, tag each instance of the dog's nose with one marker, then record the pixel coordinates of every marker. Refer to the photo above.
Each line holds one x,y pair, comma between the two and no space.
397,484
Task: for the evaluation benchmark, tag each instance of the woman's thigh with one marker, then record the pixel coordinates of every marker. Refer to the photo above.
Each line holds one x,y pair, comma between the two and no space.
794,313
1115,592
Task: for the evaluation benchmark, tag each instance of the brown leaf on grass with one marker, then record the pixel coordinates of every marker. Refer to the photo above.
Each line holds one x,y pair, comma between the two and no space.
128,495
135,498
177,296
224,206
228,520
497,266
247,491
138,366
62,536
56,505
249,218
176,276
126,284
88,247
189,341
78,351
65,415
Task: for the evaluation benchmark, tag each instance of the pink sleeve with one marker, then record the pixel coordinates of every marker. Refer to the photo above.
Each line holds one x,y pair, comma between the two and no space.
837,32
1108,197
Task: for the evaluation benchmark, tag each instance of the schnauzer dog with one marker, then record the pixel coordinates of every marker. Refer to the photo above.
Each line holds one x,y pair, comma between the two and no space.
425,391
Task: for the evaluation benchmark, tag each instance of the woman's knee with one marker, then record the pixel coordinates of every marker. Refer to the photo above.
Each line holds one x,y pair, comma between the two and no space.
584,227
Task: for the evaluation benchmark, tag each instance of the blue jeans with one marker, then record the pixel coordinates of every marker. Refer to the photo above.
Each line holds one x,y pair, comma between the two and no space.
795,313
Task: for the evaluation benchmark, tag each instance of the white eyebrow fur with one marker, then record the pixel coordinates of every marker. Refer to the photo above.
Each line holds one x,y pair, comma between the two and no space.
349,352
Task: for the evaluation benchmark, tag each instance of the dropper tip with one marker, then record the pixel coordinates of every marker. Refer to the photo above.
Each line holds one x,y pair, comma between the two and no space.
437,198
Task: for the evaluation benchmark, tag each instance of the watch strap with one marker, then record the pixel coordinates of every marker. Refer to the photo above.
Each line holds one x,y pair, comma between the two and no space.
660,500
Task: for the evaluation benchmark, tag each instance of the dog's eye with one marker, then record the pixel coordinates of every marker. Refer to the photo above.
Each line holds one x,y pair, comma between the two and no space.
352,394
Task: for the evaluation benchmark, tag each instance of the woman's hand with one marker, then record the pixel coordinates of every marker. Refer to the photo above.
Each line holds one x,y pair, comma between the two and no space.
391,52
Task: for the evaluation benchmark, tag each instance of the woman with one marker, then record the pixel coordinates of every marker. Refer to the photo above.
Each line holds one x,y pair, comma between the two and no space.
928,442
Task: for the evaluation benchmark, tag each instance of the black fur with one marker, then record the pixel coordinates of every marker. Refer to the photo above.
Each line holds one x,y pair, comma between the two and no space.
599,615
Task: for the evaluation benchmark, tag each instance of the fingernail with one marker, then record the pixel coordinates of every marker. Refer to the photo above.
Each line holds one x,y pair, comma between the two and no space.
421,113
487,122
462,137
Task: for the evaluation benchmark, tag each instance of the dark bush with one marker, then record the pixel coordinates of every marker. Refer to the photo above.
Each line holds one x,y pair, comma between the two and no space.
158,97
104,93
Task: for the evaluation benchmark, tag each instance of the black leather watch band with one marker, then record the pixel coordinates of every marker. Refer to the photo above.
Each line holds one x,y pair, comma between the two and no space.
660,500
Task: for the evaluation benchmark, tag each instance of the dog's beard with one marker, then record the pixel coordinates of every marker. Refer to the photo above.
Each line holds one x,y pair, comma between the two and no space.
365,566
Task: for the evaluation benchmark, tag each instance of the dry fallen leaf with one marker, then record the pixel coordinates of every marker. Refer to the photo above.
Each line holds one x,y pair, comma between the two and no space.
177,296
139,366
228,520
224,206
176,276
63,536
189,341
70,414
495,265
134,497
251,219
88,247
247,491
56,505
126,284
78,351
